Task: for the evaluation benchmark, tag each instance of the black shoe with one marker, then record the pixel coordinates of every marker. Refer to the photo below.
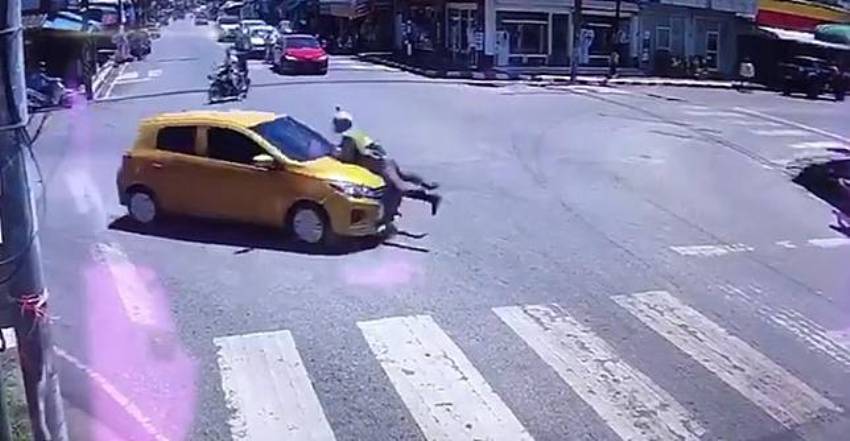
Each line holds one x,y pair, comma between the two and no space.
431,185
435,200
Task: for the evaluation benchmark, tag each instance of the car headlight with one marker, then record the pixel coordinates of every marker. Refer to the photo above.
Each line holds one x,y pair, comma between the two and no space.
322,58
353,190
289,58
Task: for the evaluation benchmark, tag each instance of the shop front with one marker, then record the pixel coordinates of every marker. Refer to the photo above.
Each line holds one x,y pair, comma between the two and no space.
539,33
440,34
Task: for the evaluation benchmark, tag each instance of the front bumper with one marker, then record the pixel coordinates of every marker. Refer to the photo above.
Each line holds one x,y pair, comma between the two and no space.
354,217
300,66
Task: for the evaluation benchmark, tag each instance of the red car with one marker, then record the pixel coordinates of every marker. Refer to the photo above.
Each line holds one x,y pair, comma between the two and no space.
298,53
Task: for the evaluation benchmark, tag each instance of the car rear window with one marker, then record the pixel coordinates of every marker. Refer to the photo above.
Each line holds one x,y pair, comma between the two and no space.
228,20
299,42
176,139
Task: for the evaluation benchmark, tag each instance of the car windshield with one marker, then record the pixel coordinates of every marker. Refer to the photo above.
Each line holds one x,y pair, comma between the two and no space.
302,42
260,32
228,20
295,140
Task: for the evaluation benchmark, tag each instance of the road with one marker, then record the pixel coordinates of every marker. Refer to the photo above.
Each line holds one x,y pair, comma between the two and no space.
608,264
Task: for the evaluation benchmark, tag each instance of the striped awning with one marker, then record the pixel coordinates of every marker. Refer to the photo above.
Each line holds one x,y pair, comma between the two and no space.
344,8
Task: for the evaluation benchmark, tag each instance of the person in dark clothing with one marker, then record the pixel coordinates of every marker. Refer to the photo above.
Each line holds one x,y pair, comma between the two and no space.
358,148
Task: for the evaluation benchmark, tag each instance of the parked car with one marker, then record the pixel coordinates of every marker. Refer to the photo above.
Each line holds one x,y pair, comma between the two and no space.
254,40
299,53
813,76
201,19
251,167
227,26
246,24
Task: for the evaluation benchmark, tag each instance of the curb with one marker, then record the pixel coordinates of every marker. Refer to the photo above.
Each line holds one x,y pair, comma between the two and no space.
448,74
492,75
662,82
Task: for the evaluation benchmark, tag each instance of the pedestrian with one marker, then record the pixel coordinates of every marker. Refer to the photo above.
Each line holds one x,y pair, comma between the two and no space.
746,72
613,62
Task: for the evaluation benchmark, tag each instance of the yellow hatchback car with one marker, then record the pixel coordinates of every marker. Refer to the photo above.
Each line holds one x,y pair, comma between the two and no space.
252,167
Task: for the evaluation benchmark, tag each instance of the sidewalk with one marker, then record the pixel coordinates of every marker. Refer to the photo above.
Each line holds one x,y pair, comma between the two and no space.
599,80
650,81
386,59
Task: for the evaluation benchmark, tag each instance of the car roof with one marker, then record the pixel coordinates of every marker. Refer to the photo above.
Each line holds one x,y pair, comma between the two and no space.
253,21
300,36
244,118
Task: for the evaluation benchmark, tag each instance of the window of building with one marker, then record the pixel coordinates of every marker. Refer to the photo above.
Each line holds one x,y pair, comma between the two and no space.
712,48
528,32
231,146
176,139
662,37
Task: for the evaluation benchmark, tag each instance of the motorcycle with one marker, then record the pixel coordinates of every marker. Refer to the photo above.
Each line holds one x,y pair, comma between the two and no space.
140,45
228,82
44,91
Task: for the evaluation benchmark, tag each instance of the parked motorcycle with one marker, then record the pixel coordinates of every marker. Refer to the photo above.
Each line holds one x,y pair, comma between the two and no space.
228,83
44,91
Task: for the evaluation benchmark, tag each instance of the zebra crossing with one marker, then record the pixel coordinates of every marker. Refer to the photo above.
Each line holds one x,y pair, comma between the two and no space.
271,395
341,62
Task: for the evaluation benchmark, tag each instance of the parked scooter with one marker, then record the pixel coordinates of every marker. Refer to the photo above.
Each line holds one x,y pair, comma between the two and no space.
44,91
140,44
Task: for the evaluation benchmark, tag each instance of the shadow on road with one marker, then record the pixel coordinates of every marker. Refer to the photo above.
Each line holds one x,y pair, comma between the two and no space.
830,181
246,238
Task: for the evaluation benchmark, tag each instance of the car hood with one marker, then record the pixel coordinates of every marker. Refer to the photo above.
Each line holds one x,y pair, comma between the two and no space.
306,53
331,169
228,27
257,41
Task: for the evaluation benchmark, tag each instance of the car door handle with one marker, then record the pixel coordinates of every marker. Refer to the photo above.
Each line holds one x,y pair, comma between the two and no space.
157,165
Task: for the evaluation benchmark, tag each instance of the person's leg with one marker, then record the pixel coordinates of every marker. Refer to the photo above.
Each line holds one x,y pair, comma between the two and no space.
391,175
411,177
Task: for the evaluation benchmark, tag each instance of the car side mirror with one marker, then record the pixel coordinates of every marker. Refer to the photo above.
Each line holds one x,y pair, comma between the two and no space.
265,161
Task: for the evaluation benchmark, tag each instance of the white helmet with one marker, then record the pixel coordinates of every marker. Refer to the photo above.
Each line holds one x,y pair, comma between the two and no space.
342,120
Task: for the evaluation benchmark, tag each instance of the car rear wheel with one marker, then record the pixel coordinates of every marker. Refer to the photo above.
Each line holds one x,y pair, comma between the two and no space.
310,224
142,206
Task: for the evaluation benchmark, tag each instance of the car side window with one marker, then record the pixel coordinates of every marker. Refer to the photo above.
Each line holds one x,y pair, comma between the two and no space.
176,139
231,146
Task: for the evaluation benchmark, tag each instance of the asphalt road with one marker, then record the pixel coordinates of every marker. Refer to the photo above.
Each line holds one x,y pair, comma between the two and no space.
687,288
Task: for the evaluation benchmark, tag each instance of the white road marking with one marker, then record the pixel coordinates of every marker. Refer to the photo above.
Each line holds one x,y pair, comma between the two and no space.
694,107
446,395
627,400
754,122
136,299
154,73
86,195
268,389
127,76
10,338
133,81
115,394
786,244
779,132
820,145
806,330
711,250
712,113
121,71
830,242
777,119
778,393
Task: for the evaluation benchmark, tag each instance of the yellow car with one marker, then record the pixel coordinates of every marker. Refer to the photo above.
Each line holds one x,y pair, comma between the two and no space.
252,167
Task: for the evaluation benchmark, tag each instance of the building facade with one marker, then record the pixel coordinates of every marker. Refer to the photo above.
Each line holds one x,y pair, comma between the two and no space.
677,32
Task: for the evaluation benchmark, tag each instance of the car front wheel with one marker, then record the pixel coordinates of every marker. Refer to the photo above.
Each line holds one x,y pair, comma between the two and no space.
142,206
310,225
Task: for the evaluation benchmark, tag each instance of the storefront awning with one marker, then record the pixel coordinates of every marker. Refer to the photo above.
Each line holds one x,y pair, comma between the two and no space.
833,33
802,37
344,8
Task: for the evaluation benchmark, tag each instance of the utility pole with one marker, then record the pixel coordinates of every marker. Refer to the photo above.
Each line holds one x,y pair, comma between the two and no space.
20,251
576,49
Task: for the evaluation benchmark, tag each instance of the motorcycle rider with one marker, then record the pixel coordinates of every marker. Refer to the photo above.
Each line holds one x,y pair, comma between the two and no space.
356,147
43,83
